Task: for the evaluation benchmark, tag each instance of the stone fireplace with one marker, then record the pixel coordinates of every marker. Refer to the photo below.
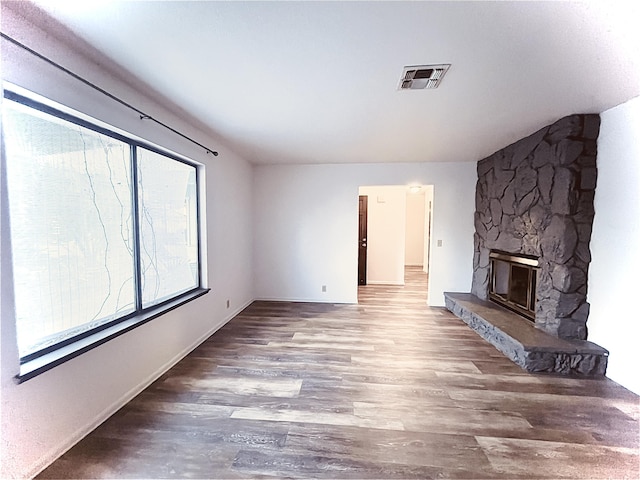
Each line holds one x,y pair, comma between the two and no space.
535,197
534,202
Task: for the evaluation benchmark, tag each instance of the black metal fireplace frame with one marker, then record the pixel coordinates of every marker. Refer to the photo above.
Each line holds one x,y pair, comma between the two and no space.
527,263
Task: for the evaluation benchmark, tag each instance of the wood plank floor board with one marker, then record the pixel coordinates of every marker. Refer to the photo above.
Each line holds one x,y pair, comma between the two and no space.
261,353
127,457
278,371
170,428
535,384
310,403
304,416
519,456
389,446
388,388
270,387
317,466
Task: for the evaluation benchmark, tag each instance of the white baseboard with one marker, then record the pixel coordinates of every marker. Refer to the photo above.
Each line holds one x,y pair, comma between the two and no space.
302,300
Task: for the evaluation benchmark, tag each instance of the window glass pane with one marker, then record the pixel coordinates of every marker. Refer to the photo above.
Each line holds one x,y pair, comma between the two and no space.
71,226
168,212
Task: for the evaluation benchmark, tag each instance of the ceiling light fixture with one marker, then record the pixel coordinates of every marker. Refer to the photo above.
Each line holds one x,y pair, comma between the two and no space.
418,77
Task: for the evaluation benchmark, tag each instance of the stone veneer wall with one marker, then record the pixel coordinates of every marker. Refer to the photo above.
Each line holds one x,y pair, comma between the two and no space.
536,197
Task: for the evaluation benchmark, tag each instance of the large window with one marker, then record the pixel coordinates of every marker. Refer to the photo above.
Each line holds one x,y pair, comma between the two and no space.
104,229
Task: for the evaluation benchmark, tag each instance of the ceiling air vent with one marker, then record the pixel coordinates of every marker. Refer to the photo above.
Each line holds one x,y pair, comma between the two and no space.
418,77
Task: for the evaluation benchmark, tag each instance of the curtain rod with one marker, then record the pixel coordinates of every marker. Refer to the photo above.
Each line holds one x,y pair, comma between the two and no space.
143,116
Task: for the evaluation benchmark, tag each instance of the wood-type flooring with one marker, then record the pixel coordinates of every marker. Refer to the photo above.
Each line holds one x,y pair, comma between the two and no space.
389,388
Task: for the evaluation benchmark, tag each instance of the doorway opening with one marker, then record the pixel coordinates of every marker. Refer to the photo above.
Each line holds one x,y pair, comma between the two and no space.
394,240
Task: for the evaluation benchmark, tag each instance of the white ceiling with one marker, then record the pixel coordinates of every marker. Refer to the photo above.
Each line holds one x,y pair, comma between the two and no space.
317,82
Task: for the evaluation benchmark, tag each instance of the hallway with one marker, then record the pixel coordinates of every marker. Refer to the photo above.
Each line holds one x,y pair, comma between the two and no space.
413,292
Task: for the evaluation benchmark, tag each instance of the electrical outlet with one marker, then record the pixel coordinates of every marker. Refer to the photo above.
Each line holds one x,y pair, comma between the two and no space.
324,288
228,303
439,243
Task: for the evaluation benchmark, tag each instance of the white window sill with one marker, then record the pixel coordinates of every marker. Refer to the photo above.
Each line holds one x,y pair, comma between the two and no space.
36,366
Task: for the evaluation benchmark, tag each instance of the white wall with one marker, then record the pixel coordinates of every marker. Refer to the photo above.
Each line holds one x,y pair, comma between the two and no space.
386,214
615,244
415,234
44,416
306,227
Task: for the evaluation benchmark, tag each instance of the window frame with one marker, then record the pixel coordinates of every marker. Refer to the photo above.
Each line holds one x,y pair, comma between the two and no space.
50,356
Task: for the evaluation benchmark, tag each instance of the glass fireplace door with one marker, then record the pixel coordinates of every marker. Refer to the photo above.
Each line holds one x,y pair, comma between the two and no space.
513,282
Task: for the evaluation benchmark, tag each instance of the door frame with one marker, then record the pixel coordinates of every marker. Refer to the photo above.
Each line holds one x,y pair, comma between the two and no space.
363,201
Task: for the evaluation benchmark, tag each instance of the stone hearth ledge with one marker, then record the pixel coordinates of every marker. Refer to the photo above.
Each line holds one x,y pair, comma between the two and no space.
527,346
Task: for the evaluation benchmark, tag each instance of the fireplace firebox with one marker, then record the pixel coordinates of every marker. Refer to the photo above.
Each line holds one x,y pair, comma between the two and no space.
513,282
